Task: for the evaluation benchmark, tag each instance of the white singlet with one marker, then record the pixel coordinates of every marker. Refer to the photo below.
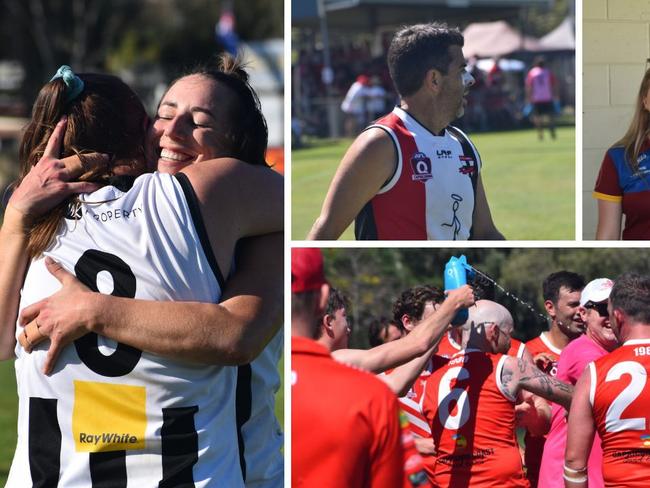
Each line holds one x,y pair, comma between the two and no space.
109,414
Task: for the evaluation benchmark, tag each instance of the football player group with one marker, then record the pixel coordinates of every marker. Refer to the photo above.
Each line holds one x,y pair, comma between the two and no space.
447,406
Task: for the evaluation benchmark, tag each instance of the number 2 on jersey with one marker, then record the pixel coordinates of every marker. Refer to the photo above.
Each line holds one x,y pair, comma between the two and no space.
637,373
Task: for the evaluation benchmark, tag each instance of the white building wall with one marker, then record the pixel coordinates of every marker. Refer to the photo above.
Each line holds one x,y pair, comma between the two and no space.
616,44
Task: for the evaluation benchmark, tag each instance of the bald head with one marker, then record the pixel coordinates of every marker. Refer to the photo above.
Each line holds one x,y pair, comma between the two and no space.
486,312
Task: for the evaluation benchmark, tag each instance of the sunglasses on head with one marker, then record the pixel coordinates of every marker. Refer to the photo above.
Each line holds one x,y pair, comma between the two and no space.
601,308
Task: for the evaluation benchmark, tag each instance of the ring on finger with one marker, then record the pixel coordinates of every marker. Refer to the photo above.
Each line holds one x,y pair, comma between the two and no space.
38,328
31,344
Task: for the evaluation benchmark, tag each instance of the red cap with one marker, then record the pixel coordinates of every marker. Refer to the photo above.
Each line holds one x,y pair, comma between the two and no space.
306,269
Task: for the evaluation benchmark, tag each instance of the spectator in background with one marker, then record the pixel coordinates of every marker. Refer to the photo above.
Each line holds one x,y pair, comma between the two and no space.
376,100
383,330
542,92
354,105
334,330
495,77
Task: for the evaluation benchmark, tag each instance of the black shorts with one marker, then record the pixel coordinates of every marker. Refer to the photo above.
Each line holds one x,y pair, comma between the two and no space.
543,108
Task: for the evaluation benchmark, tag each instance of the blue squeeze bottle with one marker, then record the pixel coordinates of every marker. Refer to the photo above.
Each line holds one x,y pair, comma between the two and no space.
455,277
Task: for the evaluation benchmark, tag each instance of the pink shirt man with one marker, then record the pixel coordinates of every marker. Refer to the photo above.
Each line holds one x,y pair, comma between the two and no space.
541,82
573,360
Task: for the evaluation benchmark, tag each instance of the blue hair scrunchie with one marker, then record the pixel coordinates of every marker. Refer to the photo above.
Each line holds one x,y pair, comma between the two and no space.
73,84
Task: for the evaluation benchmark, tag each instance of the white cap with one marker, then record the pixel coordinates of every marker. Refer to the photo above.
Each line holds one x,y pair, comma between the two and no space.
597,290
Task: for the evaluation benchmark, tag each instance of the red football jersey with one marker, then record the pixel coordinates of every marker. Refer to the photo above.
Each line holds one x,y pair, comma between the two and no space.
344,423
542,343
517,348
620,396
411,404
535,444
448,346
472,421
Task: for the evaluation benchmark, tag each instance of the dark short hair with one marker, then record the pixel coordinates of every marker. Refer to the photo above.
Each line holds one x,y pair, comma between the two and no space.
335,301
416,49
631,294
567,279
412,301
248,136
377,328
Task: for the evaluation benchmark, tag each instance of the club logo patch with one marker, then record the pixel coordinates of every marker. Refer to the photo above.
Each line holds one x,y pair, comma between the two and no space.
421,166
468,165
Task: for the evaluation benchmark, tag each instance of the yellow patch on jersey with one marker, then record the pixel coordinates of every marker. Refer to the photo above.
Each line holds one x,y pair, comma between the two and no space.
108,417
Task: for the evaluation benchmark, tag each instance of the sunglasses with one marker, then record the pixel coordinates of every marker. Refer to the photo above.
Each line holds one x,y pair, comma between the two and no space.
601,308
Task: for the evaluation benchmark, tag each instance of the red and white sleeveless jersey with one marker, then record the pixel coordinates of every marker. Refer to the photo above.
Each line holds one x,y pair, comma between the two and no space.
620,394
431,194
448,346
542,343
415,475
535,444
411,403
472,420
110,414
517,349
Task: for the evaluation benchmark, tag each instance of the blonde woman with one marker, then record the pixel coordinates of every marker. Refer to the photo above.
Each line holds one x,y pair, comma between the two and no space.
623,184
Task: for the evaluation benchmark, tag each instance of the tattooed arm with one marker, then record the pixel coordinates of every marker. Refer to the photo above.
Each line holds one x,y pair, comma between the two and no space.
518,374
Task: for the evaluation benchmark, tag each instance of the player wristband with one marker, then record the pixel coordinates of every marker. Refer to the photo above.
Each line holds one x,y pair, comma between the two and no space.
582,479
575,475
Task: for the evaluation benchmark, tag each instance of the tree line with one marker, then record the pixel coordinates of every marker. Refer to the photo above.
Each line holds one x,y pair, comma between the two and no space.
374,278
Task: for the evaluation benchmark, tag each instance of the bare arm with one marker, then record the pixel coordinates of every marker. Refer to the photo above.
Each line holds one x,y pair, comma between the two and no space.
231,332
482,225
426,335
610,216
580,434
402,377
518,374
533,412
366,166
237,200
13,262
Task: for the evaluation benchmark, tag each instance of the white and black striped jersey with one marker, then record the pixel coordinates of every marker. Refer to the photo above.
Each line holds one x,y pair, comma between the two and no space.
111,415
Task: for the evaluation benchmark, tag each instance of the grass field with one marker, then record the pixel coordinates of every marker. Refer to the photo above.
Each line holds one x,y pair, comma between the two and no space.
9,413
530,184
8,417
